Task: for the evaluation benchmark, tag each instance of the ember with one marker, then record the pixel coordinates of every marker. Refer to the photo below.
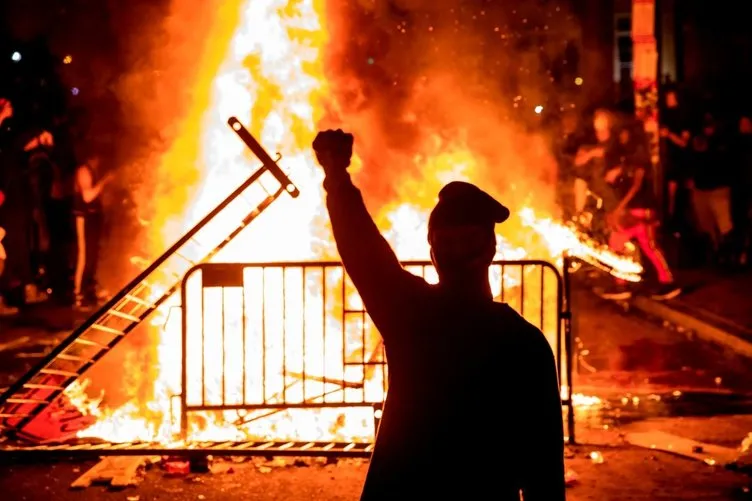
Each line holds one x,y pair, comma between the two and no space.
271,75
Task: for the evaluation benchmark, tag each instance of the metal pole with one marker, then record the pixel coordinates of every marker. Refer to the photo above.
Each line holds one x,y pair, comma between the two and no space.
566,313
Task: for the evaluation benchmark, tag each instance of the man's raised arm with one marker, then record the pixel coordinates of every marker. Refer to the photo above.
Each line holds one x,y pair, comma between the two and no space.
365,253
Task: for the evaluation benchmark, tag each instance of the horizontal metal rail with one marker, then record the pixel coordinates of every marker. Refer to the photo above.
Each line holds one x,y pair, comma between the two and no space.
260,448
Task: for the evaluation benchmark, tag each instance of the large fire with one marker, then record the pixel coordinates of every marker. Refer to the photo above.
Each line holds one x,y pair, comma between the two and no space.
271,76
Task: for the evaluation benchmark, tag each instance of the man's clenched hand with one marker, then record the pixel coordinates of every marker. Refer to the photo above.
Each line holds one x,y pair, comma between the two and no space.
333,150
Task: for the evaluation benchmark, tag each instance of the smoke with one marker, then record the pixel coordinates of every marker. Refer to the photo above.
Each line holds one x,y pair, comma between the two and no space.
430,89
165,43
417,79
164,48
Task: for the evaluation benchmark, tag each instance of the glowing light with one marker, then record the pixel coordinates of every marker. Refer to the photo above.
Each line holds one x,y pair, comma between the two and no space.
68,59
578,81
273,69
16,57
74,91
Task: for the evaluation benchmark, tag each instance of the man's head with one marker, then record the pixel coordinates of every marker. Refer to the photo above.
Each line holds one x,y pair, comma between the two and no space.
461,230
624,136
602,125
672,100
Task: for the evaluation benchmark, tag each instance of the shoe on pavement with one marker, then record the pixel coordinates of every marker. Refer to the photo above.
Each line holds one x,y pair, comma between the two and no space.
81,304
616,293
32,295
666,292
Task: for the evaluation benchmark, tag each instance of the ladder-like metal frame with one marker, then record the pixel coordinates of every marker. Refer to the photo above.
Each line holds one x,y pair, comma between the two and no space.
44,383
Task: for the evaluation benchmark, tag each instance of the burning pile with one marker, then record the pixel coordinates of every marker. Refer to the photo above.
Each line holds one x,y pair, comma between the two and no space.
287,70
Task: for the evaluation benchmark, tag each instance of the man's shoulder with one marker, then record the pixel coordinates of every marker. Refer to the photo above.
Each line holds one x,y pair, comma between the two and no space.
518,328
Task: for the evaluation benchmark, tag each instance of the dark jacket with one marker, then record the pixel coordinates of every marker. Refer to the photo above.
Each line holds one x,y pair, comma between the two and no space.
463,377
710,162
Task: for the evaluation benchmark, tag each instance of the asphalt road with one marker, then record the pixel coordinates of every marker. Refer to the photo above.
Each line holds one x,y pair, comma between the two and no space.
642,372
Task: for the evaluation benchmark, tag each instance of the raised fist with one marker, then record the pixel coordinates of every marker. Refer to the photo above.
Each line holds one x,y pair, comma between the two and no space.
333,149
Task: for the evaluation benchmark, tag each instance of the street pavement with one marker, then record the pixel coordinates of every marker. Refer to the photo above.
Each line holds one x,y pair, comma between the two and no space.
646,377
725,296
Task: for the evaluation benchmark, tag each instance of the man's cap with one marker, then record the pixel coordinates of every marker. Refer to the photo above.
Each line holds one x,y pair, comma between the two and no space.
463,204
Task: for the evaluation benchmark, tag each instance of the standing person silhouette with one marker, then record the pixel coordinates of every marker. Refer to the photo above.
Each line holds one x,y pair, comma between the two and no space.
466,374
87,209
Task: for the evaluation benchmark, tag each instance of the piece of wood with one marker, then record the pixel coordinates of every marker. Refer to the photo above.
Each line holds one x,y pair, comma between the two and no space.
116,471
674,444
128,475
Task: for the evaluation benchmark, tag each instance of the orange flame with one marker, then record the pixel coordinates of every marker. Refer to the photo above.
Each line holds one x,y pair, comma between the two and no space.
270,76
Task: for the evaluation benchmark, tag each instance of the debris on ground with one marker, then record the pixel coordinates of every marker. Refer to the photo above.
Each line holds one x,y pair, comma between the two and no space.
674,444
743,461
596,457
174,467
115,471
747,443
15,343
570,477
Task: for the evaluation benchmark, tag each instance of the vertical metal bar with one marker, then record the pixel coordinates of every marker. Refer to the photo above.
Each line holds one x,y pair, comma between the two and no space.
344,316
560,314
323,323
303,334
542,296
244,335
503,288
363,352
263,334
564,307
184,361
522,290
500,282
203,342
284,333
222,347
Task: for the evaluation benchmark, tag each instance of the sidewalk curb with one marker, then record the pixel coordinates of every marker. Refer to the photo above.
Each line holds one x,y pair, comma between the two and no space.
703,329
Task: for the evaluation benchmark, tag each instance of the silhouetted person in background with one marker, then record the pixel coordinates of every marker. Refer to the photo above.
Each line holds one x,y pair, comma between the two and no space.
6,112
590,163
741,195
711,188
87,209
676,137
17,214
5,310
567,142
452,351
634,217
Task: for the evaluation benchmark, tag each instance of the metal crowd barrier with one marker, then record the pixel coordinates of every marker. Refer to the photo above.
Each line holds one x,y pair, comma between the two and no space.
262,339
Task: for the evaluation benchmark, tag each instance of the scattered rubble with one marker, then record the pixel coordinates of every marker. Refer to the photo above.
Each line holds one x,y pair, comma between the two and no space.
117,472
570,477
666,442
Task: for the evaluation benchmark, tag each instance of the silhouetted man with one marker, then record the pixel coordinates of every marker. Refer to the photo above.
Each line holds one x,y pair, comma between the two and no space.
633,217
465,372
675,132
